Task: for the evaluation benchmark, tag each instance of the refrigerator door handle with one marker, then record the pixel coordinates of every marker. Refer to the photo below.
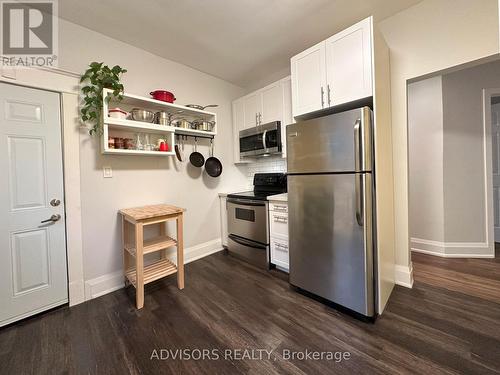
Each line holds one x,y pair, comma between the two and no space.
357,145
359,189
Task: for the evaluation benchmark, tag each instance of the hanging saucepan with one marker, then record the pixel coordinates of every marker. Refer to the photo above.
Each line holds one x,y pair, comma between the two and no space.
196,158
201,107
213,166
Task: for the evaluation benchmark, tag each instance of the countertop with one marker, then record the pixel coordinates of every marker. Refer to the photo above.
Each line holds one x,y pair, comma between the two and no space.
278,198
226,193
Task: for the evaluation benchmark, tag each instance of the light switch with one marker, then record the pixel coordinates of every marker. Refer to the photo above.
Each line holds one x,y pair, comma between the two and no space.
107,172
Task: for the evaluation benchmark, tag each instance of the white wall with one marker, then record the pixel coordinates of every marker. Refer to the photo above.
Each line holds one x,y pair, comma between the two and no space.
430,36
425,148
147,180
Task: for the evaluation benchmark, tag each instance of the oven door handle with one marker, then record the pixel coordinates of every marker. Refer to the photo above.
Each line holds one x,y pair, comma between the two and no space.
243,242
245,202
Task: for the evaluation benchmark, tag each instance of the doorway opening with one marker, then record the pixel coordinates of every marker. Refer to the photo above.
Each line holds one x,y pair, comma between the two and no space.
492,116
454,162
454,180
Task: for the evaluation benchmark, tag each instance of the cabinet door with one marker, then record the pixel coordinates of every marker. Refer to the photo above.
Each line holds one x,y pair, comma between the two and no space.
251,105
238,124
272,103
279,253
349,64
308,80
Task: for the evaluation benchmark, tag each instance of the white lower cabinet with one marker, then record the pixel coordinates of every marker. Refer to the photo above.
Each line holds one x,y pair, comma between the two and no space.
278,233
279,253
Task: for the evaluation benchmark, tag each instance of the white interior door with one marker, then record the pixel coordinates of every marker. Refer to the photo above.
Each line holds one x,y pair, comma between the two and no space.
33,271
495,152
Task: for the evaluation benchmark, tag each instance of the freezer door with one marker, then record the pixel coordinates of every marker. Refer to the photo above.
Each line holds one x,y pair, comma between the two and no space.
330,232
340,142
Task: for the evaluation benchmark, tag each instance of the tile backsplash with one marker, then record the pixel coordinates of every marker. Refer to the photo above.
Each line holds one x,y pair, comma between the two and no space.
265,165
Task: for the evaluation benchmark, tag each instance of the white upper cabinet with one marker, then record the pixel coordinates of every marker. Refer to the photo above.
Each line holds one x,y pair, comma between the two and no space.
238,124
349,64
252,108
308,80
272,103
335,71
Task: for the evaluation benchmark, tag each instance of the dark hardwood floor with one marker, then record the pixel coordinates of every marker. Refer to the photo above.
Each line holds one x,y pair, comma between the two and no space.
448,323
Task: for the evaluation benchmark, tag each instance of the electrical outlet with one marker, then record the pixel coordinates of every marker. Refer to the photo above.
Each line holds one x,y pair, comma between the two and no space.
107,172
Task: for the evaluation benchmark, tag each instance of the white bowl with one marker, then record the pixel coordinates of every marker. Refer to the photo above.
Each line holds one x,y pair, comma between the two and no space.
117,113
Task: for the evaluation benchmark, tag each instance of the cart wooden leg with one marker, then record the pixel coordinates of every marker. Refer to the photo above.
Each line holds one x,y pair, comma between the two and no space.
139,266
126,256
162,233
180,253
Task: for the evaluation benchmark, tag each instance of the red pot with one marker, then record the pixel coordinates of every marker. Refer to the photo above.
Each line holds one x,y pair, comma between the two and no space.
164,96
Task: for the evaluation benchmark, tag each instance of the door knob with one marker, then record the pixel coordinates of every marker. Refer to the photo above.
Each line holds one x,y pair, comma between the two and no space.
55,202
53,218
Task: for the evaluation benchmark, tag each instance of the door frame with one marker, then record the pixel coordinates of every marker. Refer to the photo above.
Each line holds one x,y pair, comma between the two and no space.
67,85
488,162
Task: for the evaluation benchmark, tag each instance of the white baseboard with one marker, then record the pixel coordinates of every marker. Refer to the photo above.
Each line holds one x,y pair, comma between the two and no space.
404,275
76,292
452,249
103,285
113,281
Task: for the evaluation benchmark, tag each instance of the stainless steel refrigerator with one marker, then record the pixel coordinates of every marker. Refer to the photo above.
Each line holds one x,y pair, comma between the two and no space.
331,210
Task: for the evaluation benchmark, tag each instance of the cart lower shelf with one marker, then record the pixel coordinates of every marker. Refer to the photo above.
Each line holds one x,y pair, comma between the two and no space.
153,271
152,245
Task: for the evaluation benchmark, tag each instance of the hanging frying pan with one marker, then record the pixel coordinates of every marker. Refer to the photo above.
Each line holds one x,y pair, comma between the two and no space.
196,158
213,166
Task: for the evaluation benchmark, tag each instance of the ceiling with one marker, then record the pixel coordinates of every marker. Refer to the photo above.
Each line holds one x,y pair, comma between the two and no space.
240,41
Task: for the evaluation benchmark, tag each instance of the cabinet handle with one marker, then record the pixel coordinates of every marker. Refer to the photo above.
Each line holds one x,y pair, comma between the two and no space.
280,208
280,246
328,94
322,97
280,219
256,119
260,118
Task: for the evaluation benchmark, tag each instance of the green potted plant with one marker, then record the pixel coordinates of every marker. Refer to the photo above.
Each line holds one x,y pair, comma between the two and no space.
97,77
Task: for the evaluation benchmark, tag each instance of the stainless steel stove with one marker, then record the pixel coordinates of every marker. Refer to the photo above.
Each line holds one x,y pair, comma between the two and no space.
248,219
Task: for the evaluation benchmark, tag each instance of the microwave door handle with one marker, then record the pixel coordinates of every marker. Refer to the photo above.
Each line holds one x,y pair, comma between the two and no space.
264,139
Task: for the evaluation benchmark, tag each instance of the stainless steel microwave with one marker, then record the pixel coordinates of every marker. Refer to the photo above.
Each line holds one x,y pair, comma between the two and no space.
263,140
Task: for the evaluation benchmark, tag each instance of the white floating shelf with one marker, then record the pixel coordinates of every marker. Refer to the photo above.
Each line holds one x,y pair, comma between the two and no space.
138,126
119,151
131,100
117,126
